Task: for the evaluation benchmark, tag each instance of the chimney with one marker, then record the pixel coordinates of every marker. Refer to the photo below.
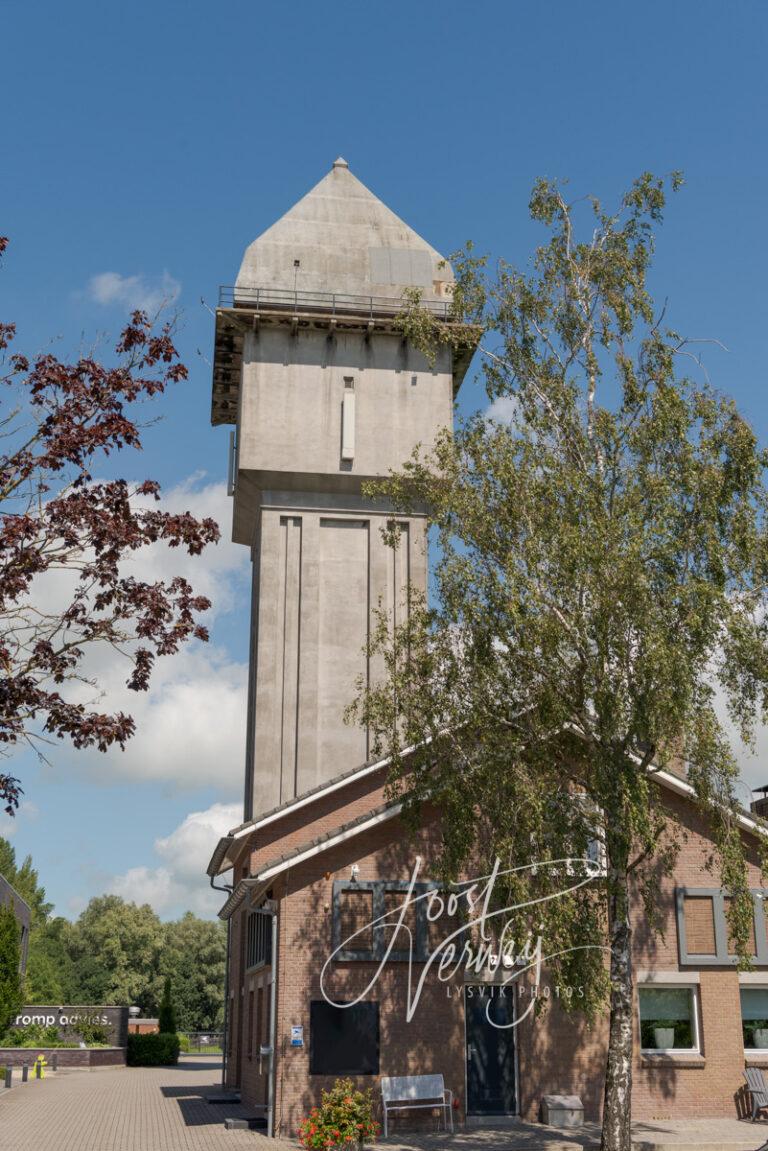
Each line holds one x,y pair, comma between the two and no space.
760,805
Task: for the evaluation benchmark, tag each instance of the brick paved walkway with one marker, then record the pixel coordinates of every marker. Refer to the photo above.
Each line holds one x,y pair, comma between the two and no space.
163,1109
124,1109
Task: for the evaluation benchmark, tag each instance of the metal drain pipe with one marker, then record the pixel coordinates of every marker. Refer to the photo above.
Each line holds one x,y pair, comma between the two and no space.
272,1028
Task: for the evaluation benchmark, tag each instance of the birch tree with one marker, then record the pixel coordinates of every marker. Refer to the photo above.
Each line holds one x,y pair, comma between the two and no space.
601,582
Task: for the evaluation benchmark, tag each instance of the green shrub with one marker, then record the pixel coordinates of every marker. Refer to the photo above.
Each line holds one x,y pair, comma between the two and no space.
36,1035
159,1050
184,1043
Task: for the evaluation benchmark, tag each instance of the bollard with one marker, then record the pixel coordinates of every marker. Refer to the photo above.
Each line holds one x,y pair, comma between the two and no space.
24,1072
55,1061
9,1077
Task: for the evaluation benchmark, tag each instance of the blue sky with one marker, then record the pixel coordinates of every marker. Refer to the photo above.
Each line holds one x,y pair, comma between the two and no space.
145,145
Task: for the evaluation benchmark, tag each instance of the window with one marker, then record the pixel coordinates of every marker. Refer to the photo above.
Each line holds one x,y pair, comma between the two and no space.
343,1040
258,949
703,930
379,902
355,917
699,915
668,1018
731,944
754,1018
250,1025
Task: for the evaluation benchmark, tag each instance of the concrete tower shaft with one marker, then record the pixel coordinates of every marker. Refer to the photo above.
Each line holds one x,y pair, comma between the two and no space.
325,394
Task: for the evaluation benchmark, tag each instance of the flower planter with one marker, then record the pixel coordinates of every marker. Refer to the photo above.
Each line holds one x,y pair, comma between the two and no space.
664,1038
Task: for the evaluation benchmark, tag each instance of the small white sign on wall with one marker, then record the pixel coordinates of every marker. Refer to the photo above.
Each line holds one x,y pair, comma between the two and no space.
297,1035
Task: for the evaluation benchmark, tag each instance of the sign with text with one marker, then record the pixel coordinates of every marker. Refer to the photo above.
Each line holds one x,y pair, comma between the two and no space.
84,1023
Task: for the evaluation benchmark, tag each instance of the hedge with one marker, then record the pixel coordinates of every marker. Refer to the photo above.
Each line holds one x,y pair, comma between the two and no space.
158,1050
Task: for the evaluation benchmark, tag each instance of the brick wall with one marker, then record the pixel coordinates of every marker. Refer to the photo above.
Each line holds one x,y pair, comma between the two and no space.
66,1056
558,1052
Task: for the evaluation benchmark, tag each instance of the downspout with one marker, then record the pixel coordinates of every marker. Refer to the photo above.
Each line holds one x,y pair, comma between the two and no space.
272,1033
225,1044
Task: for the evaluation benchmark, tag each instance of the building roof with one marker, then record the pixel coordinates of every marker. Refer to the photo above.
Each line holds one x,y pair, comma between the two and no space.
347,241
270,870
223,857
312,847
7,890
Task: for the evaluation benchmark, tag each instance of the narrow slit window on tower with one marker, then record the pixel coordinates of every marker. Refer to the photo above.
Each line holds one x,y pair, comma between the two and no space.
348,420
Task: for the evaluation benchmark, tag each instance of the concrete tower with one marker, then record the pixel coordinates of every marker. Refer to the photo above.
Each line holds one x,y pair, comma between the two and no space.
325,394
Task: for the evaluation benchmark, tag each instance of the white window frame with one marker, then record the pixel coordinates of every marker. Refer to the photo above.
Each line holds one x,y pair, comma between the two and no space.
747,985
654,985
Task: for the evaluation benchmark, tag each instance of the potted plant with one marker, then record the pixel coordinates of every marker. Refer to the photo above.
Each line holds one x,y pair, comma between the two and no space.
664,1035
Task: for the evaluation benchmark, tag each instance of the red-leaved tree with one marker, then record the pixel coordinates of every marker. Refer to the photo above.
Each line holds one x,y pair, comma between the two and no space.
58,421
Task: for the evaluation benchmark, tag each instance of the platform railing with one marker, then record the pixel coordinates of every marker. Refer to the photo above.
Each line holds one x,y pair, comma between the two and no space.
329,303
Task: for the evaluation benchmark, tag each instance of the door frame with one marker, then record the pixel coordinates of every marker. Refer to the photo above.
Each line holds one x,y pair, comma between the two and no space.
483,1115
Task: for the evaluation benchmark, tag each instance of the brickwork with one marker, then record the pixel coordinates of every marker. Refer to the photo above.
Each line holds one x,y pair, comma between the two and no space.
557,1053
65,1056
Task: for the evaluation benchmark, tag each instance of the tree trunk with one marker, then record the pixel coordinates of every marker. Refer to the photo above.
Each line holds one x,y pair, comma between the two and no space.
617,1101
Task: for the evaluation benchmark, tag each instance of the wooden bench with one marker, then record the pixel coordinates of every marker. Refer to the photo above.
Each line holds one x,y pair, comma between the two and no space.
408,1092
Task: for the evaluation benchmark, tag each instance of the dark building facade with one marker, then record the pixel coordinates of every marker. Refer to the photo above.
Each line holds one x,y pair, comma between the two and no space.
22,912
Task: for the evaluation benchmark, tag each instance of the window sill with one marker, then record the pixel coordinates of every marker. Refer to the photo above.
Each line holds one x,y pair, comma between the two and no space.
756,1058
672,1059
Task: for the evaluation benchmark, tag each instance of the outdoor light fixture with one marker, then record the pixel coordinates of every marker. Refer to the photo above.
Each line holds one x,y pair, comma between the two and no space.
355,872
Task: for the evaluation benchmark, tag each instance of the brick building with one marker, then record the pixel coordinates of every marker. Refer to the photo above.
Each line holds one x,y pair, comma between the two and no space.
311,368
297,862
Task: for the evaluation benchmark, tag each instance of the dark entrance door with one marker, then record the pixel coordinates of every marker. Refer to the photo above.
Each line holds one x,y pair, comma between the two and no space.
490,1050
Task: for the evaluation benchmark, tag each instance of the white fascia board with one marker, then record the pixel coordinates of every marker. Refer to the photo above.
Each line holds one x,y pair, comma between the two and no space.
305,800
320,793
682,787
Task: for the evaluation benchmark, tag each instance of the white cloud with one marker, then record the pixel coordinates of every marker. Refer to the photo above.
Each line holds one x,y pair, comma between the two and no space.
503,410
190,725
132,292
179,883
222,571
9,824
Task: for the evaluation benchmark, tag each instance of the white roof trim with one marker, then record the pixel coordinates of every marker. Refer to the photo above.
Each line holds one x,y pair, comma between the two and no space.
682,787
312,797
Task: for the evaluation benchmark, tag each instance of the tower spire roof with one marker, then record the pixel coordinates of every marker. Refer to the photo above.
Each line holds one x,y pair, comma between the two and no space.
341,238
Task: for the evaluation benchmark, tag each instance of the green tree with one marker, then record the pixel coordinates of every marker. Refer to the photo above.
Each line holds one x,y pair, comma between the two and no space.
51,975
25,880
167,1014
603,573
115,948
194,955
10,959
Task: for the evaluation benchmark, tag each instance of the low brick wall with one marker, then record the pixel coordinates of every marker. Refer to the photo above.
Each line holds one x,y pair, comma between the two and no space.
67,1056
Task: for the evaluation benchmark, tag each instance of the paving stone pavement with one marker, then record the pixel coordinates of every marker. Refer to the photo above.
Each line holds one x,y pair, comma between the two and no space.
163,1109
125,1109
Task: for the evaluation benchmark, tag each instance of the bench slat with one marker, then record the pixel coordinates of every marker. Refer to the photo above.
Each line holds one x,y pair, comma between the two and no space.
412,1087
